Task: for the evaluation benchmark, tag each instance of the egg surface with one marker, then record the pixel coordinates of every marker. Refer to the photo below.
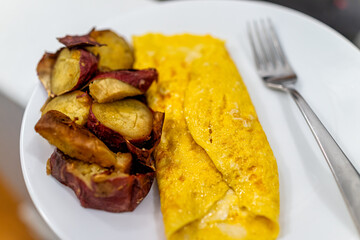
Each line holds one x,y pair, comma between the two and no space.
216,173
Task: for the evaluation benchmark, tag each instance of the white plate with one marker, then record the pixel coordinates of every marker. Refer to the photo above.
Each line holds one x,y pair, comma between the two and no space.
328,67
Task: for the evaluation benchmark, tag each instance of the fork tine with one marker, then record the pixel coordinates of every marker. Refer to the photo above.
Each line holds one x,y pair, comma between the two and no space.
261,43
253,47
270,59
269,44
277,45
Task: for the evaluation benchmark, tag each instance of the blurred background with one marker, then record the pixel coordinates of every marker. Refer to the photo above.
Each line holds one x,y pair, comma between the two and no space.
341,15
23,23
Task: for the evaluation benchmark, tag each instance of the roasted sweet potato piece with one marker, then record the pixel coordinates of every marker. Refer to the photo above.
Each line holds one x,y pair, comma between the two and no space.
71,41
101,188
72,69
114,140
116,85
66,70
110,89
44,69
117,54
77,141
142,150
140,79
130,118
75,105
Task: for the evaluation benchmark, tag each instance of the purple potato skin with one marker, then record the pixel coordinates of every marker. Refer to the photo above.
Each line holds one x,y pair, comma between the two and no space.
140,79
71,41
119,194
114,140
141,149
44,69
88,66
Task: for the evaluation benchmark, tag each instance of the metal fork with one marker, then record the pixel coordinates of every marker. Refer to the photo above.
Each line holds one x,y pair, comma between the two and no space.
274,68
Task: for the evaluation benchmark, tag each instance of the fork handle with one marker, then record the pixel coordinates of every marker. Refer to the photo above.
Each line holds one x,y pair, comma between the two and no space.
345,174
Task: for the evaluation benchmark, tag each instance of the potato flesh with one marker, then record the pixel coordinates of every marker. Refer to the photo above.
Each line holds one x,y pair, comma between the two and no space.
110,89
129,117
123,162
88,172
75,105
91,171
74,140
66,72
117,54
100,188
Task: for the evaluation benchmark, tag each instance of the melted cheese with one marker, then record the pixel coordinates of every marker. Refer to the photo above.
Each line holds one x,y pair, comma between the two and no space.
216,173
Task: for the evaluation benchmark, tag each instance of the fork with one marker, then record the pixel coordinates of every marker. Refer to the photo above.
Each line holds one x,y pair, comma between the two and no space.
274,68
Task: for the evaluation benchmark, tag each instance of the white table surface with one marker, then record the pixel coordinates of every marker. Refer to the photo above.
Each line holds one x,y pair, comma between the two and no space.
29,28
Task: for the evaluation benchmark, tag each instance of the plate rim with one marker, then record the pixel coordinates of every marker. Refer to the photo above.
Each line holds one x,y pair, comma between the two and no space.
27,180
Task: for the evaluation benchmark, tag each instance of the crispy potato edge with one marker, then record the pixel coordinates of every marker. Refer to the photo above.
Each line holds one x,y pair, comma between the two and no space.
119,194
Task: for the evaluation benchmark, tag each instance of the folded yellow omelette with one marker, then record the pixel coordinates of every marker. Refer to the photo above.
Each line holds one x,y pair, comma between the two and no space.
216,173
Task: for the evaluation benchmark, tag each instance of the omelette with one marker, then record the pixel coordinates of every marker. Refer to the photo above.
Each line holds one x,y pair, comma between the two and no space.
216,173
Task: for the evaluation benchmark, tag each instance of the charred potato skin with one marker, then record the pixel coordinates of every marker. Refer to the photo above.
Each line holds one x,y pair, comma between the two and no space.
110,188
73,139
88,66
71,41
143,151
44,69
122,193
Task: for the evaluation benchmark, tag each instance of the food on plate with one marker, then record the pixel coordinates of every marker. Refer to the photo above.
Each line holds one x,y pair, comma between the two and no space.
115,53
225,124
75,140
134,122
44,69
73,67
75,104
71,41
135,119
143,150
116,85
66,70
216,172
104,140
101,188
